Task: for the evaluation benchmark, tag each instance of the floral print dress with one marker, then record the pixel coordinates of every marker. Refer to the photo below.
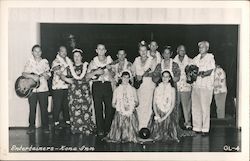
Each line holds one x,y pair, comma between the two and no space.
80,100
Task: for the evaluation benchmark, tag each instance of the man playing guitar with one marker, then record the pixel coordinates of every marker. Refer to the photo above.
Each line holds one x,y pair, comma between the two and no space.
102,89
38,70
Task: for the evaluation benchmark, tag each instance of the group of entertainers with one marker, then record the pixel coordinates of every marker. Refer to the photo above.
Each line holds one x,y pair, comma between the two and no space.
116,99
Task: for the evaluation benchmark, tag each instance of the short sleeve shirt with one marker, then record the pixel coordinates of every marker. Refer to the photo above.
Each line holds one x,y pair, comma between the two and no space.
205,64
38,68
219,81
95,64
182,84
57,82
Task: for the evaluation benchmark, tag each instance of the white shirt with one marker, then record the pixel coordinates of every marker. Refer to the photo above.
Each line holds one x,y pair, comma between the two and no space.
124,99
219,81
57,82
140,69
95,64
33,66
204,64
157,56
182,84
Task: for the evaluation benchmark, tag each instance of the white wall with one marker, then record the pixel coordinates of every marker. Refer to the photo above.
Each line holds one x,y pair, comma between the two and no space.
24,33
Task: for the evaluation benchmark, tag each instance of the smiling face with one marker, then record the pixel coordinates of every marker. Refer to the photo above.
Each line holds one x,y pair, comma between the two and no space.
63,51
203,48
37,52
101,50
181,51
167,54
143,51
153,46
77,57
121,55
166,77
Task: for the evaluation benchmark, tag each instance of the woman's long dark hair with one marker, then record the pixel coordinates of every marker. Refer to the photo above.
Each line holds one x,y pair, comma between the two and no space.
120,79
171,78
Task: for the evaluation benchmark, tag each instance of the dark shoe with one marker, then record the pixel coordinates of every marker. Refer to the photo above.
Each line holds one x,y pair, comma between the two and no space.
198,132
31,130
100,133
189,128
204,133
57,127
46,130
67,125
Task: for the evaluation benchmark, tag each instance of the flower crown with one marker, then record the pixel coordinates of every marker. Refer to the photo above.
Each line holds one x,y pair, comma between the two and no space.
142,43
77,50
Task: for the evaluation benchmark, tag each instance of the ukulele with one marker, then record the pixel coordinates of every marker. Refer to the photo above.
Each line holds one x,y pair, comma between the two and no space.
137,83
104,67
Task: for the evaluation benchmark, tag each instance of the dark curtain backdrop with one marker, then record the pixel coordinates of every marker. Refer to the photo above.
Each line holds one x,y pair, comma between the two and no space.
223,42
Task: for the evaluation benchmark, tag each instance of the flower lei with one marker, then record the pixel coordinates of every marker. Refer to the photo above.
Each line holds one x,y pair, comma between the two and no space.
141,69
68,63
170,65
98,64
125,100
163,97
84,70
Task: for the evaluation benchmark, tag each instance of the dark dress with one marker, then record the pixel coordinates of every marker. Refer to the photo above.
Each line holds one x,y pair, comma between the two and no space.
80,100
168,129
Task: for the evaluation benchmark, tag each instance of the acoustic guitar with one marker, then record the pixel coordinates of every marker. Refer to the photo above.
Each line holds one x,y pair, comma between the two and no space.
24,86
137,83
104,67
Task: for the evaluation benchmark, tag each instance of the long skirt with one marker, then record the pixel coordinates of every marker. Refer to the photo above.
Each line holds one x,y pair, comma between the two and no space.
145,96
123,129
168,129
80,111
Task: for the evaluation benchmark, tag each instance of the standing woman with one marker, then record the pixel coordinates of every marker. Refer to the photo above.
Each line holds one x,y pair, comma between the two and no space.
167,64
145,93
79,96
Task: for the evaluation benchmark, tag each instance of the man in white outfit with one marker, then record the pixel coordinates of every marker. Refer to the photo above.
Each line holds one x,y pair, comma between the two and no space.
184,89
202,91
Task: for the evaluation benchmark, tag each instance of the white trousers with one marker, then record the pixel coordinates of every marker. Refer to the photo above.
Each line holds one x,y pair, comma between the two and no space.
220,100
201,100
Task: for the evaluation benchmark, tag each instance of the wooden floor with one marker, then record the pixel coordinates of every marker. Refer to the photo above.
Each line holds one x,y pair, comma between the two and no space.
221,138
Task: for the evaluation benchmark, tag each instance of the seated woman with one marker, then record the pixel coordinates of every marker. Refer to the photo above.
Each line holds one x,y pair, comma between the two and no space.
79,97
164,122
124,127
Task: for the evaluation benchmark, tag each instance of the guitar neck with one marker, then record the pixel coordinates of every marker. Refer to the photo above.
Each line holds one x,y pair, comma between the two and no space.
146,72
112,63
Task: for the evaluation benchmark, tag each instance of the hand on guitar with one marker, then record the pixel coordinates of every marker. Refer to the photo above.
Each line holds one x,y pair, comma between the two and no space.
138,77
45,75
99,71
35,77
108,67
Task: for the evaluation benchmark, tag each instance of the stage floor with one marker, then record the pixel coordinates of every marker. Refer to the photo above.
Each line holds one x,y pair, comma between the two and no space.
220,139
